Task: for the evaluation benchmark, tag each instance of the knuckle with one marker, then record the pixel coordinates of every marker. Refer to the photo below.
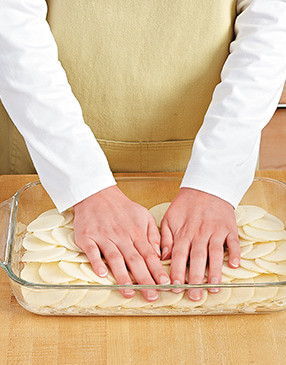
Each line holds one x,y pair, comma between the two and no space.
198,252
133,258
113,256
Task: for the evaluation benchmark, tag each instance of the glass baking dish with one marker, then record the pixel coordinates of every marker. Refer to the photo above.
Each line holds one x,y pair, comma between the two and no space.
32,199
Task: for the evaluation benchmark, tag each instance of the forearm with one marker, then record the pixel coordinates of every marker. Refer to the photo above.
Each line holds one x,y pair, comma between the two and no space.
226,148
35,92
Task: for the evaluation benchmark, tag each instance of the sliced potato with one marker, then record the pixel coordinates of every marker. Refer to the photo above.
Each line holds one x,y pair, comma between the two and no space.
45,223
31,243
273,267
259,250
73,269
185,302
72,297
239,273
51,273
279,254
268,223
61,235
261,235
241,295
264,293
250,213
49,255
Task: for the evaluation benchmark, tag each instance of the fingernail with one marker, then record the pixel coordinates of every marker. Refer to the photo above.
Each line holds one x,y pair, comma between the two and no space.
194,294
177,282
164,280
214,281
235,262
128,291
164,252
102,271
152,295
157,249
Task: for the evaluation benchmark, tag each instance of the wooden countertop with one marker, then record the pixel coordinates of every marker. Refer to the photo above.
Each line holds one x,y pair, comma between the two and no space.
26,338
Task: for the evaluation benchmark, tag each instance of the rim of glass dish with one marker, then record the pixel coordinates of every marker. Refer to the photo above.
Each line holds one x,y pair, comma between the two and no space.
25,283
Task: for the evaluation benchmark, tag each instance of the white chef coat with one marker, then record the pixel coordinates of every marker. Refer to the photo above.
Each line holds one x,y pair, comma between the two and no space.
70,162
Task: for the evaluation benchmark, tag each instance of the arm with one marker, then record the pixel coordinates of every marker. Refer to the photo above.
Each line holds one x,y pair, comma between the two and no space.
71,165
35,92
226,148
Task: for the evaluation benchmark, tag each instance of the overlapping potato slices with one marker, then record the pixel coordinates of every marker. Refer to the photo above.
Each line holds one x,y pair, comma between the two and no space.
51,256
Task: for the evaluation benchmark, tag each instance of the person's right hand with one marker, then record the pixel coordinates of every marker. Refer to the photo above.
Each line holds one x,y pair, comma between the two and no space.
108,222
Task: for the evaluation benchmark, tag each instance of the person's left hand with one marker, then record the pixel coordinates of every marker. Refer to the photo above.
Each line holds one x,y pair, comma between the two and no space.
196,226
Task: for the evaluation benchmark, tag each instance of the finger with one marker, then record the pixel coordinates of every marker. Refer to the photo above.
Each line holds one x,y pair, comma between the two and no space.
233,245
139,270
117,265
180,255
91,250
216,250
153,235
166,240
198,259
153,263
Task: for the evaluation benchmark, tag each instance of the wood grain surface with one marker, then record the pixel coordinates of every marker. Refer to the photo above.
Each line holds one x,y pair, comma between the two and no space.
26,338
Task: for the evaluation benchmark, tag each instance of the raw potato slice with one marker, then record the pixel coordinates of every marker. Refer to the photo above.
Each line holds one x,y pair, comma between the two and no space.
138,301
32,243
274,267
259,250
239,214
239,273
73,296
45,223
70,225
52,274
281,294
73,269
39,297
82,258
264,293
43,297
268,223
250,265
185,302
245,237
93,298
158,211
166,298
30,273
279,254
244,243
241,295
261,235
115,299
243,251
69,256
251,213
215,299
49,212
45,236
88,271
61,235
48,255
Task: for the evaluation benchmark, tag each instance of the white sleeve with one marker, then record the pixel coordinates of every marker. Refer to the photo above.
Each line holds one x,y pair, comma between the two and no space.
36,94
226,147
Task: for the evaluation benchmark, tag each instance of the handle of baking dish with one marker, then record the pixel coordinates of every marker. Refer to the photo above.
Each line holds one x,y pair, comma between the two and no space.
6,217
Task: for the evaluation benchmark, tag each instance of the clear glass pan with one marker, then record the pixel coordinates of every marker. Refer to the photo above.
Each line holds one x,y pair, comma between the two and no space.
32,199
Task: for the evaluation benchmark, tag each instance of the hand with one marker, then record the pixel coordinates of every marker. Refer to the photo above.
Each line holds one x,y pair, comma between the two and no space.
108,222
196,225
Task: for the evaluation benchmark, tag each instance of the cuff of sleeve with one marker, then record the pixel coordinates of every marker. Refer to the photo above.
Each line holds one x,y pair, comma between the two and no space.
203,183
75,194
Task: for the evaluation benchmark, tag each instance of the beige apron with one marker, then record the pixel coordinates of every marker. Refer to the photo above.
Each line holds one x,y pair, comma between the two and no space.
143,72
